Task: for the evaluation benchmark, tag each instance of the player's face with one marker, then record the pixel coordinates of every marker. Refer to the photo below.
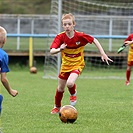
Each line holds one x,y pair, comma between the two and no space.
68,25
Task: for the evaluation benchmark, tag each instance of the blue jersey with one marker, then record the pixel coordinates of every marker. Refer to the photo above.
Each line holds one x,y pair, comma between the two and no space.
3,61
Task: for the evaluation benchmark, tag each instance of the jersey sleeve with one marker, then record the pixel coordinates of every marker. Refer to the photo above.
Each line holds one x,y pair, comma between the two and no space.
56,42
87,38
4,64
129,38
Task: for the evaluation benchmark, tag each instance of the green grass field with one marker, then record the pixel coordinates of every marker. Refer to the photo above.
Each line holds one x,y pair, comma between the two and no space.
104,104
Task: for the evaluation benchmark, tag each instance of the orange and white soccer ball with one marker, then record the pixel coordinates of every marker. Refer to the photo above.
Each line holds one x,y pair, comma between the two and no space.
33,70
68,114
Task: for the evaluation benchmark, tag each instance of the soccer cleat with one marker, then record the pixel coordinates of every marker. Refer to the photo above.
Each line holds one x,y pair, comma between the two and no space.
127,83
73,100
55,110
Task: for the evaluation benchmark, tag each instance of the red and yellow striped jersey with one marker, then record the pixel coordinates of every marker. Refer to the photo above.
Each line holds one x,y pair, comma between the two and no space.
73,54
130,52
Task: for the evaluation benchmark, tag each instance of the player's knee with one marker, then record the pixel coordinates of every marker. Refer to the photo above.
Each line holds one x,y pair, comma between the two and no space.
70,84
60,89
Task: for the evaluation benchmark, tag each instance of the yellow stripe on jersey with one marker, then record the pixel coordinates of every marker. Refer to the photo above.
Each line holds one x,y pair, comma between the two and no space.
72,59
130,53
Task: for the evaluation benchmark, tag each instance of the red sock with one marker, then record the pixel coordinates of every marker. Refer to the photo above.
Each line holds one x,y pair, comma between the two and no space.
128,73
72,90
58,98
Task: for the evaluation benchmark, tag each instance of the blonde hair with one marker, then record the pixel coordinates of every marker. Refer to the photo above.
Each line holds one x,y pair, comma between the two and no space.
69,16
3,35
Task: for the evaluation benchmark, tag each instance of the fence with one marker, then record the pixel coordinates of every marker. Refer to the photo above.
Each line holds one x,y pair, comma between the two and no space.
37,26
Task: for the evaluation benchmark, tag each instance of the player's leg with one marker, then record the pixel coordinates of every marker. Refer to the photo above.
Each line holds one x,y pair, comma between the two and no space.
72,87
128,75
59,92
59,95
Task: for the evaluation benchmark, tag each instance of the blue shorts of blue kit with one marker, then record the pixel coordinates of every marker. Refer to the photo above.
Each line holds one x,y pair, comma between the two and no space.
1,99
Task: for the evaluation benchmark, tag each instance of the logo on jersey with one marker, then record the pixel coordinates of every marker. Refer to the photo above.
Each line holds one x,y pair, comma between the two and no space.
77,43
62,74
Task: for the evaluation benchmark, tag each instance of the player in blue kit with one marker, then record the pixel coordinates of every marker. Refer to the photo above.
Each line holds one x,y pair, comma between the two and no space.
4,67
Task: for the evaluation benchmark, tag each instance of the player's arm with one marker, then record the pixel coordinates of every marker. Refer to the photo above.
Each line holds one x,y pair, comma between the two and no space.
104,57
57,50
7,86
128,43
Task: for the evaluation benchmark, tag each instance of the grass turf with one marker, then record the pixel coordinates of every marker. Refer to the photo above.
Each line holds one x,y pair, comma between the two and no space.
104,105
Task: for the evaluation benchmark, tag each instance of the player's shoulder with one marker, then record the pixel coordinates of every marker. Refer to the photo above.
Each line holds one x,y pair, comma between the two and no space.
79,33
131,35
2,52
82,34
61,33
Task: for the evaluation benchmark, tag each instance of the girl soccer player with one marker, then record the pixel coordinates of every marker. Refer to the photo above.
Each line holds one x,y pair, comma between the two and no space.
129,42
71,45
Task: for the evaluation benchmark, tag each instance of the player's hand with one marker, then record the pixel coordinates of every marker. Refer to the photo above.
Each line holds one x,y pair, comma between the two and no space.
128,43
104,58
13,93
63,46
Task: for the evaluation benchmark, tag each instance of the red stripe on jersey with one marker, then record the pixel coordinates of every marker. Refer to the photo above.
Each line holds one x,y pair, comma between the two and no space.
72,55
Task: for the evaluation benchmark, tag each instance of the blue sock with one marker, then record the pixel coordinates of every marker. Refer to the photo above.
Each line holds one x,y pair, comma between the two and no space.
1,99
